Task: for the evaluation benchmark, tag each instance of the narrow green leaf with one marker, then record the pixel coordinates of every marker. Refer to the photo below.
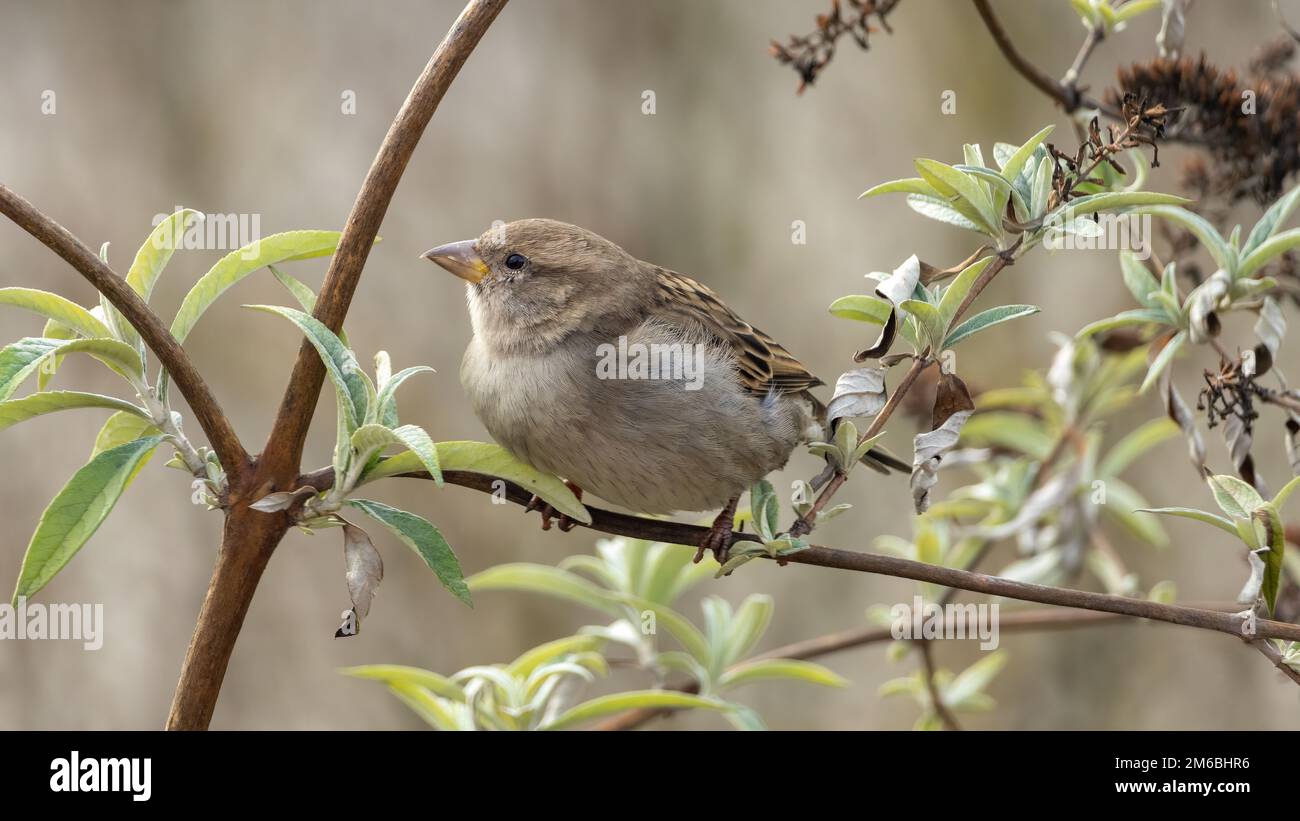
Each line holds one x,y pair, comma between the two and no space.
386,402
911,185
77,511
947,179
340,364
634,700
547,580
1124,319
1015,164
1271,221
1285,493
941,210
788,669
1137,442
957,291
291,245
421,536
55,307
862,309
1162,360
487,459
371,439
414,676
1275,531
1267,251
1138,280
14,411
1223,254
987,319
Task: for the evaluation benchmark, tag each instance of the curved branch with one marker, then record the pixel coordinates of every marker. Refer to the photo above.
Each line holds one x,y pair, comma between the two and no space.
251,537
659,530
283,451
221,435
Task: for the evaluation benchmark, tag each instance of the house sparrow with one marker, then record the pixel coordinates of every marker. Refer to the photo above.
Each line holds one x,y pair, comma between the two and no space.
553,305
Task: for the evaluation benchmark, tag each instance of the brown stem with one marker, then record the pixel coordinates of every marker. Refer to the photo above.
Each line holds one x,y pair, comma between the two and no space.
1068,96
284,447
247,542
689,536
251,537
217,428
932,687
1274,655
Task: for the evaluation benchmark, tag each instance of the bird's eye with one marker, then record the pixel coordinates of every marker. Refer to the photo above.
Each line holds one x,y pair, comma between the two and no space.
516,261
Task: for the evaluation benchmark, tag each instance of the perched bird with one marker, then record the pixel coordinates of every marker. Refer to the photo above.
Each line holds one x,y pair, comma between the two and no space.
552,305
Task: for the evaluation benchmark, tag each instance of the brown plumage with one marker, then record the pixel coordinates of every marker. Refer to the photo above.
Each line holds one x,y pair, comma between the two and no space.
548,301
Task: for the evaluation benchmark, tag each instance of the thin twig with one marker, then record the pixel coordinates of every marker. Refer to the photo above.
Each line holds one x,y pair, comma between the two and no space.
221,435
932,688
689,536
1274,655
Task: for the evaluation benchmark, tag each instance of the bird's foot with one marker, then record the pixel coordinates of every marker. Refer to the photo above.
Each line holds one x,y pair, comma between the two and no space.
564,522
720,535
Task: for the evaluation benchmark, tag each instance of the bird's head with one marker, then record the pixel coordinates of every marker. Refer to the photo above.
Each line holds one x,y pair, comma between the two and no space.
534,282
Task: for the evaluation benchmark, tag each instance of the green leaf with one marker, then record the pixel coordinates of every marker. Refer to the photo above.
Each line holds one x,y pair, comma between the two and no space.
488,459
930,321
413,676
421,536
55,307
1110,200
157,251
77,511
862,309
290,245
123,427
1016,431
1285,493
1133,8
911,185
789,669
370,439
1162,360
1223,254
974,679
1015,164
20,359
386,402
1124,319
1235,497
949,181
547,580
939,209
1041,189
52,330
552,651
340,364
748,626
14,411
1267,251
1139,280
687,634
1271,221
634,700
1136,443
1275,531
956,292
987,319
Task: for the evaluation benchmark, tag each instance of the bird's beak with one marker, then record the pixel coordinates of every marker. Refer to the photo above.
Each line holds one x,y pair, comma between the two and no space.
460,258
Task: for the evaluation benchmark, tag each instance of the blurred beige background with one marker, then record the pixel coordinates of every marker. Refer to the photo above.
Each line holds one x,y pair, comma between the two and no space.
235,107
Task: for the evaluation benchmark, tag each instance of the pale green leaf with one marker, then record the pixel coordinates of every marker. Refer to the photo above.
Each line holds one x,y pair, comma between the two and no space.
987,319
290,245
788,669
77,511
14,411
421,536
52,306
339,362
634,700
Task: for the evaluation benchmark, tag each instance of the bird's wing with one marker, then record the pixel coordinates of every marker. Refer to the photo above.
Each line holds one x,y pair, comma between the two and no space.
763,365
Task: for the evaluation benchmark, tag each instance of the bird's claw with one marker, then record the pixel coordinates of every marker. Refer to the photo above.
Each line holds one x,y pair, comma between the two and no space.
718,540
563,521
